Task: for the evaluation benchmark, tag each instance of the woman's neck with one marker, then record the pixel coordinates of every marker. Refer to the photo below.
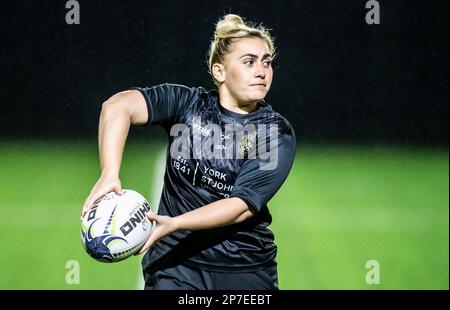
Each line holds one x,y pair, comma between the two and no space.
230,103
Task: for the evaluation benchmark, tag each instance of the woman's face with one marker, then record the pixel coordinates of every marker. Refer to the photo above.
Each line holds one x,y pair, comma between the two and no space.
247,70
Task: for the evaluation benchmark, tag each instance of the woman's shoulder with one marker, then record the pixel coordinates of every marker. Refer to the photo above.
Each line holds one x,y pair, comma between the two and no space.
183,88
283,124
190,95
270,116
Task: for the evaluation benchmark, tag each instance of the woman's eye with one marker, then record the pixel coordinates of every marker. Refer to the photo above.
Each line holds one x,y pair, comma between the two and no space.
250,62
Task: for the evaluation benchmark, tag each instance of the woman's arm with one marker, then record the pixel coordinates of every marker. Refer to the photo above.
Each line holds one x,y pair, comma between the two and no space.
219,213
118,113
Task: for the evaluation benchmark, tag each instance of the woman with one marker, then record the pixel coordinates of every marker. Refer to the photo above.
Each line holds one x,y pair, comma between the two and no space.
211,230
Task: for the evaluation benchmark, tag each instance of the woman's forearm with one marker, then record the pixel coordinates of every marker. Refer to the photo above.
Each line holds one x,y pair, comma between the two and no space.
118,113
219,213
113,131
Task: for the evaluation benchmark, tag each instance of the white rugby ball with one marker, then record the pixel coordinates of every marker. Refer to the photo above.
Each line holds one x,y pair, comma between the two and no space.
116,227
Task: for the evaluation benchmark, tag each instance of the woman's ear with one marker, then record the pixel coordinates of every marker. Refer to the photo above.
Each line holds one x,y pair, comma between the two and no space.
218,71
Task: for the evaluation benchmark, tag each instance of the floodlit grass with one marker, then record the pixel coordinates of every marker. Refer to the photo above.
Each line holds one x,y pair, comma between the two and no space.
343,206
339,208
43,187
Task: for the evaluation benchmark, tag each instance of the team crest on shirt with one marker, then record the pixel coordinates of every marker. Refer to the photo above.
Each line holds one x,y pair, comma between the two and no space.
245,145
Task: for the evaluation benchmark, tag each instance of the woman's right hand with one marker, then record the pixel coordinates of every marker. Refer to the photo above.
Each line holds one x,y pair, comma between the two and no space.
105,184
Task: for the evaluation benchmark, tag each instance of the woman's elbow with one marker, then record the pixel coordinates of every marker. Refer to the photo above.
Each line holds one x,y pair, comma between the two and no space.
116,105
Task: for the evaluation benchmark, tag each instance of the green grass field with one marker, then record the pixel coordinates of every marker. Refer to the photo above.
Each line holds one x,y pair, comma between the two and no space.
339,208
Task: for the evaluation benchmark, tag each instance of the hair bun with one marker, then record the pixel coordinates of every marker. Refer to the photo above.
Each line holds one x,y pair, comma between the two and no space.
228,24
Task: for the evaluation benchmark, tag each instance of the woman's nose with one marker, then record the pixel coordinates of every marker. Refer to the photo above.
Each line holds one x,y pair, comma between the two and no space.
260,72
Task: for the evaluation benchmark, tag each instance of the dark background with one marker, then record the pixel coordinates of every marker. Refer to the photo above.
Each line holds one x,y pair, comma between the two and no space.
337,79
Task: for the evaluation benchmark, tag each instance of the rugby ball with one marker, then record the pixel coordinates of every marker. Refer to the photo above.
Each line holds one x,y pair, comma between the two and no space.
116,227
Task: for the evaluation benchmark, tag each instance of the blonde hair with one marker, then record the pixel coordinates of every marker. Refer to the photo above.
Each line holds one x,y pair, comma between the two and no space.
229,29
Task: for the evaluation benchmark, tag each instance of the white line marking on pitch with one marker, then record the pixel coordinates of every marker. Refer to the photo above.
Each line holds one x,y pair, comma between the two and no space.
155,195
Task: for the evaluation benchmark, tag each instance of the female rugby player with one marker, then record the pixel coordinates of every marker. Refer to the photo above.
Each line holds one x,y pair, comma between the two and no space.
229,152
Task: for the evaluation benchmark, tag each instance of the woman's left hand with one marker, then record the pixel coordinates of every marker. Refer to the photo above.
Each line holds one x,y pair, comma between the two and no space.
165,225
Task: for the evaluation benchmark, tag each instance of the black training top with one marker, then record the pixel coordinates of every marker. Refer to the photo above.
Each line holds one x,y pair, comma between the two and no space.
194,120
